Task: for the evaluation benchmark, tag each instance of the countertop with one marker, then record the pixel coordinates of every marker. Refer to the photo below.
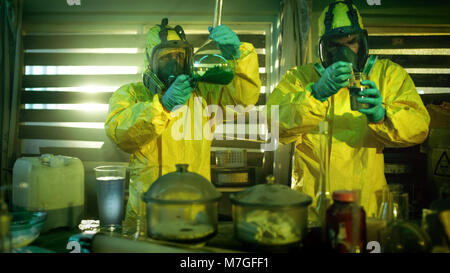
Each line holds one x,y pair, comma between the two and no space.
224,241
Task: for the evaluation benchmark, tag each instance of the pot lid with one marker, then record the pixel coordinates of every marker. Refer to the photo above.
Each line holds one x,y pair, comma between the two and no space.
181,186
271,195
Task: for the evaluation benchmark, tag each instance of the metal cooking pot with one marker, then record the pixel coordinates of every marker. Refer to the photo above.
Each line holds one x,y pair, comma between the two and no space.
182,206
270,215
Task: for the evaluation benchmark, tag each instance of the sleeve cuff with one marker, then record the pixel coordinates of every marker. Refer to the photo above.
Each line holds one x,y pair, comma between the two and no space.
309,88
159,107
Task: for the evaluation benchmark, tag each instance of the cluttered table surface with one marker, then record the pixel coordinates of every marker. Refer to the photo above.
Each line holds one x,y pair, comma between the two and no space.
88,238
61,240
58,241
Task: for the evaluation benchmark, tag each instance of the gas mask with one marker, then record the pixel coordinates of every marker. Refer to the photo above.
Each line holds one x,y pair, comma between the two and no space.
330,52
170,65
345,54
168,60
336,25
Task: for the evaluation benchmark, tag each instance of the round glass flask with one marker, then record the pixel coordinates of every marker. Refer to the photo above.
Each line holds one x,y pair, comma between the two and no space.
209,64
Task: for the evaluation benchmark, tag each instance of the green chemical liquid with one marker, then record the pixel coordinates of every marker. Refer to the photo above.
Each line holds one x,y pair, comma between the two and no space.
217,75
354,104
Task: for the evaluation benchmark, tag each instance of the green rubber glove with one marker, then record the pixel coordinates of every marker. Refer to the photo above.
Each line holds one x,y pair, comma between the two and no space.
227,40
335,77
376,112
178,93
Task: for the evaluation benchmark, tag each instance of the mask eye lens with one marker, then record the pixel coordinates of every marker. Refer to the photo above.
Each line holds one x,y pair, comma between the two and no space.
164,59
353,42
179,56
332,45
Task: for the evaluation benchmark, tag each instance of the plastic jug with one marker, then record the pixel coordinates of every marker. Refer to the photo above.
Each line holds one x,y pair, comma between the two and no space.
53,183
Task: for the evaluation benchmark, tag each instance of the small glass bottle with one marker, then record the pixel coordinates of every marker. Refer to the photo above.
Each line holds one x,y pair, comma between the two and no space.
346,223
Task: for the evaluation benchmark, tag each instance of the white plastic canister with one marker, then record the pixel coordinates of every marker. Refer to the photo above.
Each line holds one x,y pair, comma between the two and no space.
53,183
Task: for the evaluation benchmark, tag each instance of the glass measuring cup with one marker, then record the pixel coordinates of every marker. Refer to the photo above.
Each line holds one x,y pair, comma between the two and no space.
395,203
110,195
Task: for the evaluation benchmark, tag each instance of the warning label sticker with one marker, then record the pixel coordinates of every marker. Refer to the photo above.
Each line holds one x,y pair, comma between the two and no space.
442,168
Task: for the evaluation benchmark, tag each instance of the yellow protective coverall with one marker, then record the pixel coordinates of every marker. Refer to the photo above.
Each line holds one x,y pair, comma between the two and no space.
158,139
356,150
355,153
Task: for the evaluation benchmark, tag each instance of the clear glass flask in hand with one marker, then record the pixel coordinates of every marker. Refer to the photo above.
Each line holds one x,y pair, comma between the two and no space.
209,64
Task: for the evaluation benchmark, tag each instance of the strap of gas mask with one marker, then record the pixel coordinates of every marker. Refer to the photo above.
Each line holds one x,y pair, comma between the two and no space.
179,30
352,14
164,31
329,17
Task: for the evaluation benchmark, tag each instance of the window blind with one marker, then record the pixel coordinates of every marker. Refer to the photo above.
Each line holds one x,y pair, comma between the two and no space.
69,79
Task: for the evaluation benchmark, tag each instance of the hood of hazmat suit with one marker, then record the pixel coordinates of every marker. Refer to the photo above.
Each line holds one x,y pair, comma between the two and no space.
341,19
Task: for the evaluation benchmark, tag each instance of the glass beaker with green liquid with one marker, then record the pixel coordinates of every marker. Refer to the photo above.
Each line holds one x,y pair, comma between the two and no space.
355,87
209,65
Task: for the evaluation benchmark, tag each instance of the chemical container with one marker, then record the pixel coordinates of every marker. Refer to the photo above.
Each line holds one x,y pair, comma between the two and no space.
53,183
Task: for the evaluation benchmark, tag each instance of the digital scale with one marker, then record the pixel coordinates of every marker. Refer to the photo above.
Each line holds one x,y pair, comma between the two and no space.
233,177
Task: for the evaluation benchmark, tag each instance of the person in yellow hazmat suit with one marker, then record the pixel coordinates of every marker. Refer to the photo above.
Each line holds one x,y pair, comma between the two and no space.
312,93
146,119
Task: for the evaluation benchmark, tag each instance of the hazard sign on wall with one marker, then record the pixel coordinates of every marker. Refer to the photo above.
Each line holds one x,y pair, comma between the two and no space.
442,168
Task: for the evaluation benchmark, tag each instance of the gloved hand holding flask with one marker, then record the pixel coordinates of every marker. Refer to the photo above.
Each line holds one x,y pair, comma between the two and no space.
336,76
372,96
227,40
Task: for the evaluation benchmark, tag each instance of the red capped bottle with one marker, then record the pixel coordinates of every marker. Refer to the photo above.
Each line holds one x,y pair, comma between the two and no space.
346,223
